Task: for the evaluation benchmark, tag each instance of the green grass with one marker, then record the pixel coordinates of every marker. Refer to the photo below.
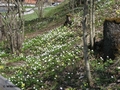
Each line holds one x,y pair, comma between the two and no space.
30,16
34,15
46,10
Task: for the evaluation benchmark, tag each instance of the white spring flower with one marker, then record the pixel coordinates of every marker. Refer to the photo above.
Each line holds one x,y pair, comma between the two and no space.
92,51
33,87
99,63
118,67
112,77
42,86
53,70
57,66
73,63
69,77
28,76
33,77
61,88
101,58
41,81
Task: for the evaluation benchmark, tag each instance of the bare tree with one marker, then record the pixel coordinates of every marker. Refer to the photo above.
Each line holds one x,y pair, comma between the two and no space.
84,23
13,24
39,5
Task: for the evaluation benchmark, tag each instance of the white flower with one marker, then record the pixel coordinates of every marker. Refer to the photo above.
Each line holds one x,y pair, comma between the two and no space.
53,70
118,67
92,51
68,73
61,88
101,58
99,63
107,56
42,86
112,77
69,77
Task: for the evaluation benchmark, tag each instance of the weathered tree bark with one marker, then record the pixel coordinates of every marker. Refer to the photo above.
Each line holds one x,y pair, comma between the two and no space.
84,23
111,38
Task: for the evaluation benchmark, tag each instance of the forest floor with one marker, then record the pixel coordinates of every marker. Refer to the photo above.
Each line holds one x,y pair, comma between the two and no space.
107,78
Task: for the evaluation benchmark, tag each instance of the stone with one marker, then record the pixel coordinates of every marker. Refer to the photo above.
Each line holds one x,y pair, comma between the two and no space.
7,85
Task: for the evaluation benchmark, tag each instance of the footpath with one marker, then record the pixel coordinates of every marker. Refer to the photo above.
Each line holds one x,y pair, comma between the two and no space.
7,85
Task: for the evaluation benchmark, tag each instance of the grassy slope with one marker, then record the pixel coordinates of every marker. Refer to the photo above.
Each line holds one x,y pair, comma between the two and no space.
54,60
51,17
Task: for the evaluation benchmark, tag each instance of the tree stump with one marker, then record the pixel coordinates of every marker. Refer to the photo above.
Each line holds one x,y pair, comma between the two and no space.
68,20
111,38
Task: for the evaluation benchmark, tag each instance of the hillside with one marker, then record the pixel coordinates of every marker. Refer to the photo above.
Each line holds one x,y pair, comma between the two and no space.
52,56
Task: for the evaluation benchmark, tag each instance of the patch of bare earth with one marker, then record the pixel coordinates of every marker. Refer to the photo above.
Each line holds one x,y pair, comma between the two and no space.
42,31
16,64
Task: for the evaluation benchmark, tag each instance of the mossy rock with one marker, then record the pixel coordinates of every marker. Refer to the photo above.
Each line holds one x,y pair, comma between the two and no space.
116,20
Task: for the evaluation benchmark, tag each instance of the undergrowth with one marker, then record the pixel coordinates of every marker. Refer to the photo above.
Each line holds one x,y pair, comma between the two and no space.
54,61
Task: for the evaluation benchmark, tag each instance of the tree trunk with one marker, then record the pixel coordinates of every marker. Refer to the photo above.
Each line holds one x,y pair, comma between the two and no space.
92,24
84,23
40,8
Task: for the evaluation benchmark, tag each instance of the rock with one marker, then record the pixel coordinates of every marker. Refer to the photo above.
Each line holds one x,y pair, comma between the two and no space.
111,35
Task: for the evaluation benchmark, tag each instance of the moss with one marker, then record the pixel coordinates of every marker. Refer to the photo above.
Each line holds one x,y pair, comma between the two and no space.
69,15
116,20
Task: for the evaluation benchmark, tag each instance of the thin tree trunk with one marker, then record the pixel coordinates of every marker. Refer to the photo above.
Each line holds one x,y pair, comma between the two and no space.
93,22
40,8
87,66
92,26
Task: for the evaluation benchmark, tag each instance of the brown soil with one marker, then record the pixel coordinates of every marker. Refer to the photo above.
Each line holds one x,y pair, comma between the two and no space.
42,31
16,64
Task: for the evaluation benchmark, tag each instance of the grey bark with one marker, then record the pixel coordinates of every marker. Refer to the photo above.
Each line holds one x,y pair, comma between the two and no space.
92,24
40,8
84,23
